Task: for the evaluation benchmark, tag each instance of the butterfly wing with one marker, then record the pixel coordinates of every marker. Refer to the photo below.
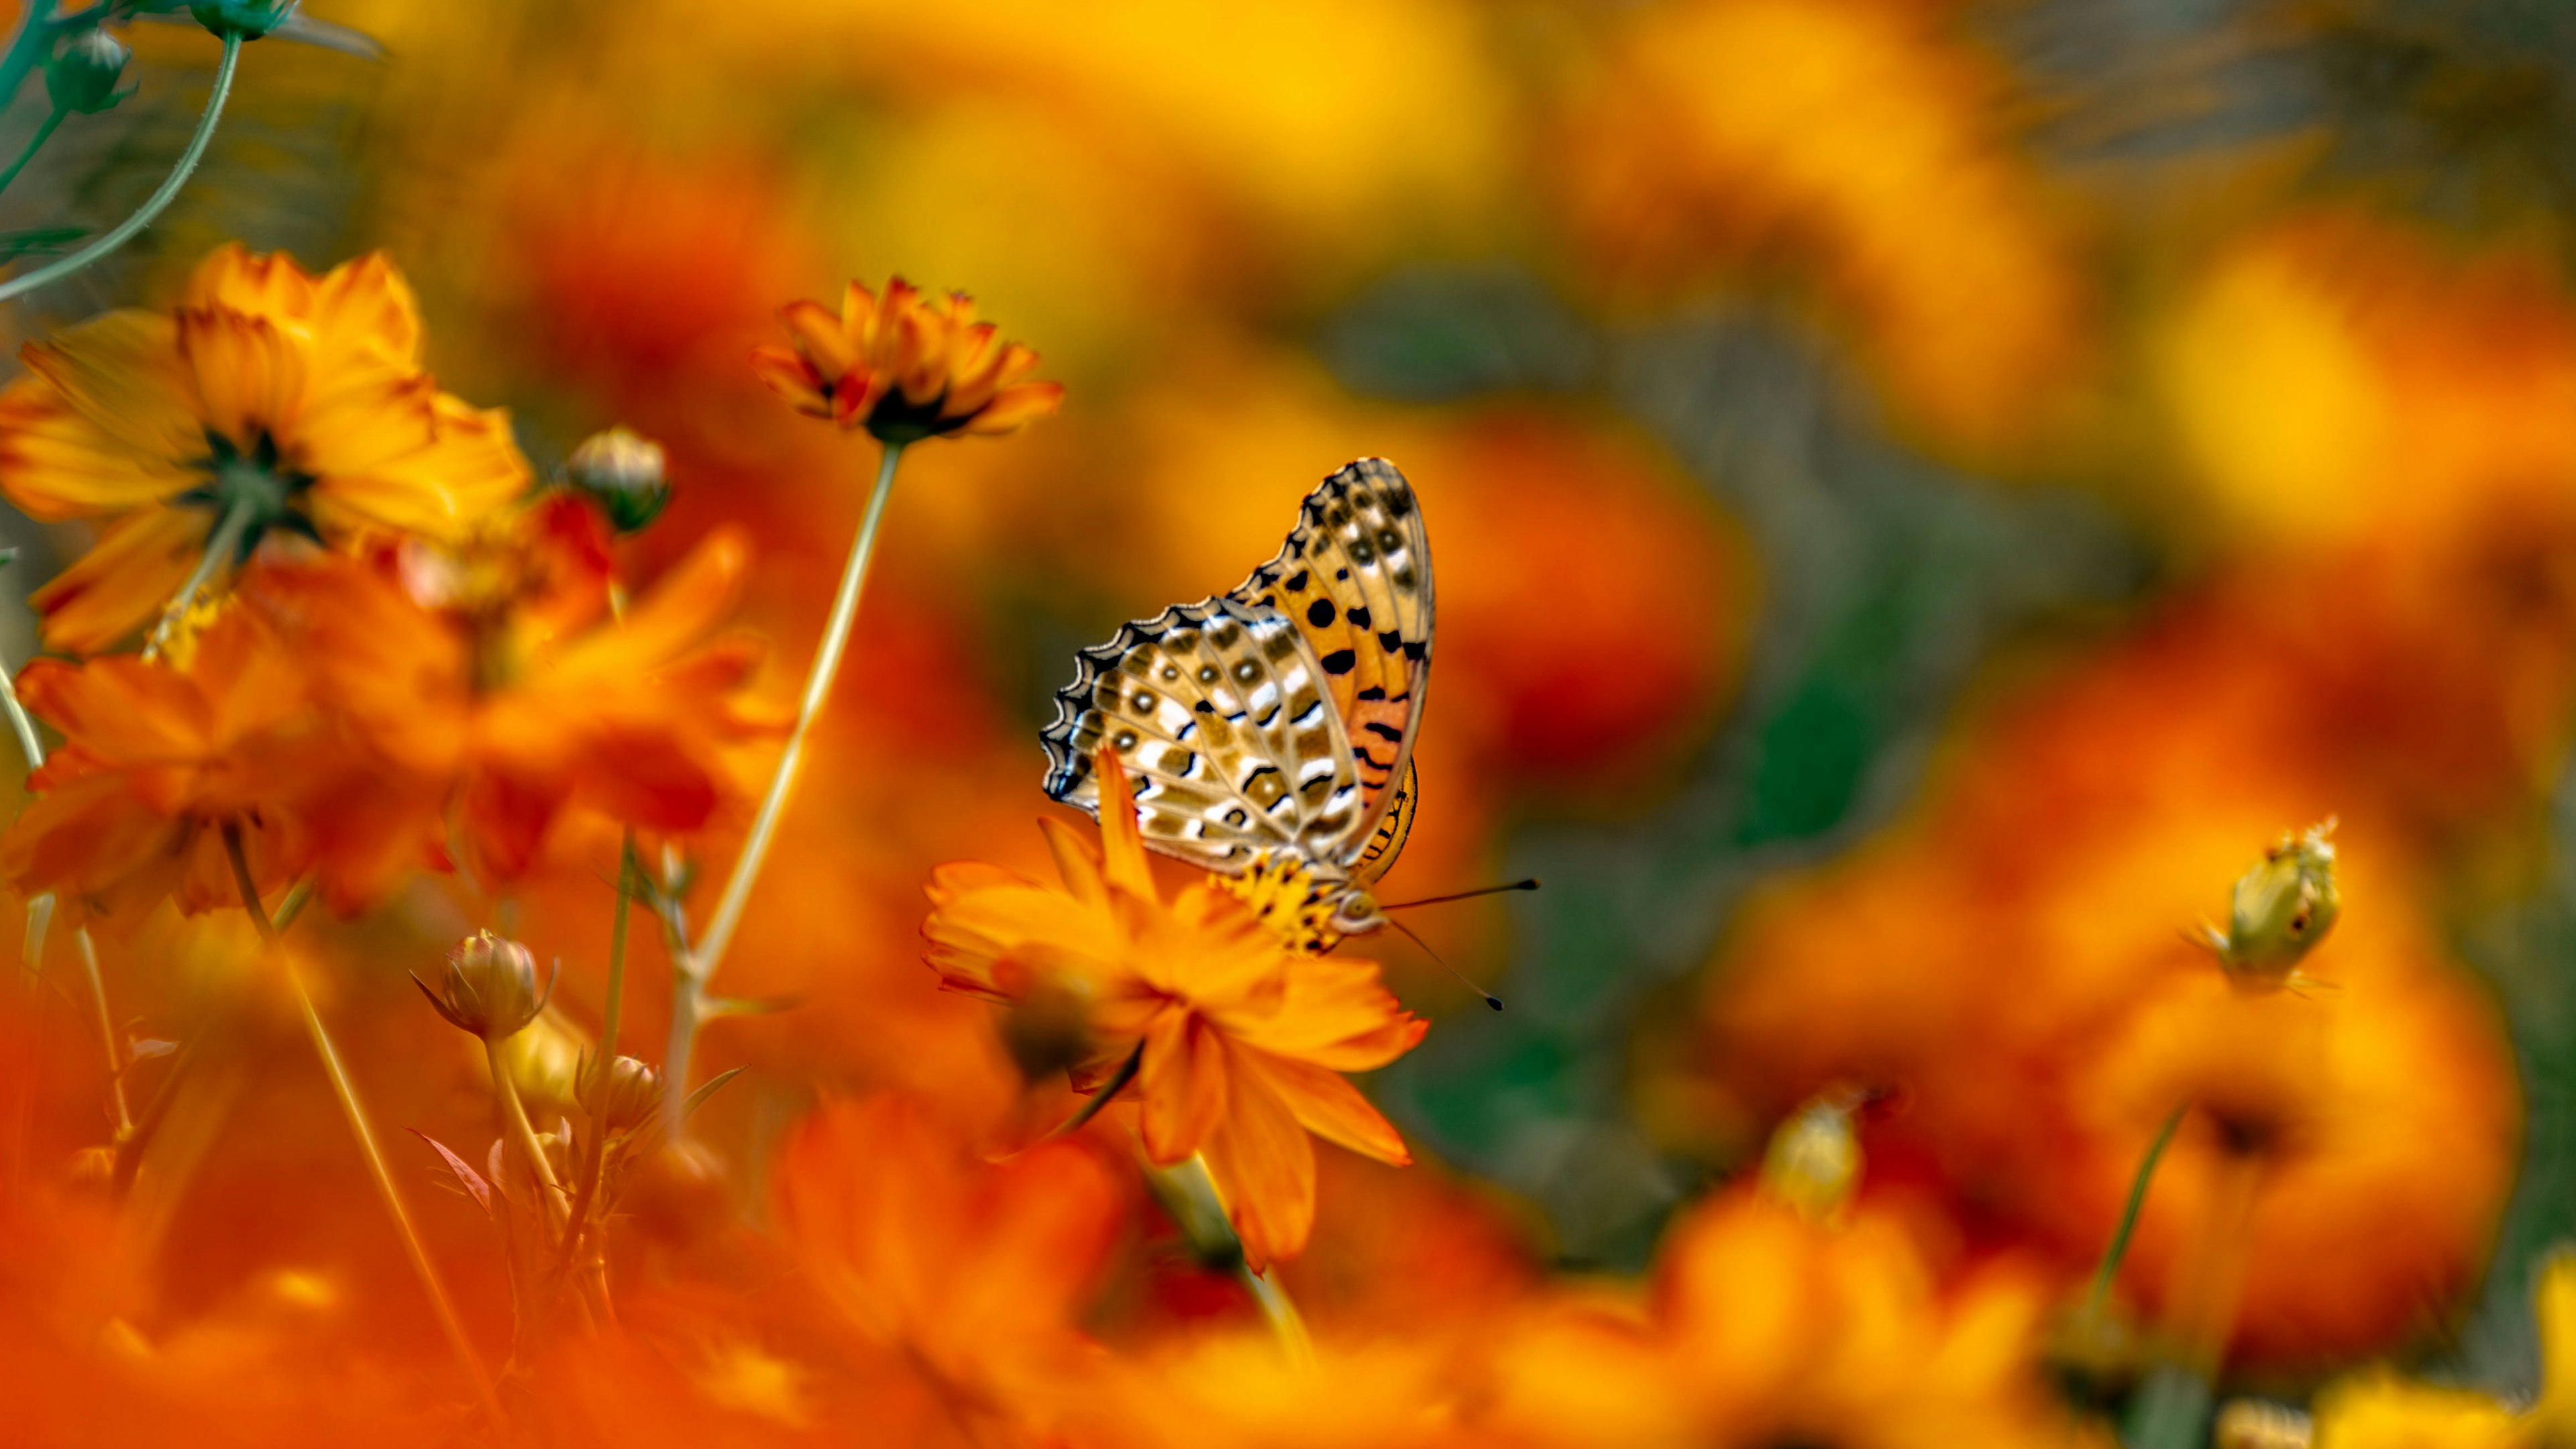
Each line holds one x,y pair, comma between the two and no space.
1219,712
1354,578
1387,841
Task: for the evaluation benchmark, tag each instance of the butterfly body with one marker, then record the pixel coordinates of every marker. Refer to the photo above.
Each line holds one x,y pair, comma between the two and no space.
1268,732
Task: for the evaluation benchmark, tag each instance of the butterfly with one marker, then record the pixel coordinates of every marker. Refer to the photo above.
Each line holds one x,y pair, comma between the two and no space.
1267,733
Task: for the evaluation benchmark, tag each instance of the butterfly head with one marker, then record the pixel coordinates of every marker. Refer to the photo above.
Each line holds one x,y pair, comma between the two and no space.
1356,913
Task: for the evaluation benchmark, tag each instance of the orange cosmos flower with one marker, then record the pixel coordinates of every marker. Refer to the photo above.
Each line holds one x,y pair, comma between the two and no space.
1765,1327
158,759
905,368
270,399
495,692
1238,1041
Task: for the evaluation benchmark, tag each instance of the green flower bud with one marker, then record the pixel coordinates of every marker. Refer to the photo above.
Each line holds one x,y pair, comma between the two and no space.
2280,909
624,1096
624,472
489,988
82,76
249,19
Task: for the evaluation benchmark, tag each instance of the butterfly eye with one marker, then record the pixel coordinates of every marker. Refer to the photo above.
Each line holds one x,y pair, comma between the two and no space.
2298,923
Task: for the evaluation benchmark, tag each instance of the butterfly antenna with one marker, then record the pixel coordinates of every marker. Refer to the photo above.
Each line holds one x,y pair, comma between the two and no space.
1491,999
1530,884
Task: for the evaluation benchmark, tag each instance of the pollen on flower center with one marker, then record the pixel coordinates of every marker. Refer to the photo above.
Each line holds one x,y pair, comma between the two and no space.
254,487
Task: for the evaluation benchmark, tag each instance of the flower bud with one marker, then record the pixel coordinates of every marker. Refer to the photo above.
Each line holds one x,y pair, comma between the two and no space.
249,19
82,76
1814,1159
489,988
623,1096
623,470
2281,909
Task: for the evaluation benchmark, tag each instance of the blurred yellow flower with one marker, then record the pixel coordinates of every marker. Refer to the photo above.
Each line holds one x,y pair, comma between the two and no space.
904,368
269,399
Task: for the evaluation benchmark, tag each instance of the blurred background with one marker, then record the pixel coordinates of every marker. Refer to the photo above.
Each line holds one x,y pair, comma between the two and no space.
1923,493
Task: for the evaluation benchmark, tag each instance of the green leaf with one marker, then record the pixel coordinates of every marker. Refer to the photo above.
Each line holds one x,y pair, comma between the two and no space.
38,241
699,1097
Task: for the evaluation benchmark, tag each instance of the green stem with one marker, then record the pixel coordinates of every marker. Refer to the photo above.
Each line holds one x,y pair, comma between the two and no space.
343,1087
692,970
126,230
33,42
19,721
615,1006
106,1033
221,546
1286,1324
1099,1098
35,142
2100,1297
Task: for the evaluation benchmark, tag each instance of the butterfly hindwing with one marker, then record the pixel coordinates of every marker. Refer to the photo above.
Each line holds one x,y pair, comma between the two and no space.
1387,841
1354,578
1219,712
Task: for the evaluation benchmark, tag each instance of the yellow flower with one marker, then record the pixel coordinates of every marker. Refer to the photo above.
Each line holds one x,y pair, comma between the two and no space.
905,368
1237,1041
268,399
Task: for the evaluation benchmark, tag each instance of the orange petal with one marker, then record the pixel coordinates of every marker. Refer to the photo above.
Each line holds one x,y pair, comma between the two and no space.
1122,844
1017,407
1077,860
1184,1082
822,337
1264,1166
1326,1104
249,373
125,579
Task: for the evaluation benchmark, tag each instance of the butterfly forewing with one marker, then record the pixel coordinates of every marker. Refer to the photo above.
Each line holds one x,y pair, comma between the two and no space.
1355,579
1387,841
1219,712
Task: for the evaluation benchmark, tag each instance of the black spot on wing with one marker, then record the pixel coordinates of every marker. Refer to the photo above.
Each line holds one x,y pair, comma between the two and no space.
1391,640
1320,613
1340,661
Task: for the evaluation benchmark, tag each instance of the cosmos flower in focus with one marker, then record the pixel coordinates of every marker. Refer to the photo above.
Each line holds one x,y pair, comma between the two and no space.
1765,1327
158,760
905,368
496,689
268,400
1238,1040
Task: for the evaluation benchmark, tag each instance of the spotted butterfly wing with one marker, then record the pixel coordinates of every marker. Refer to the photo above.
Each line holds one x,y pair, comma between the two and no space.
1252,722
1355,578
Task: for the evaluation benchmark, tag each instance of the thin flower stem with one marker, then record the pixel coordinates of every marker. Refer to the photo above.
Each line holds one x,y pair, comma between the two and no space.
40,915
44,133
615,1006
106,1033
347,1091
514,1119
20,722
126,230
692,969
221,545
2119,1248
1286,1324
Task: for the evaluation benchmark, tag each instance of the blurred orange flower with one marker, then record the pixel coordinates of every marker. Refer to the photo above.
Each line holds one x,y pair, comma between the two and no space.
978,1272
1763,1327
489,680
1237,1040
904,368
270,399
158,760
